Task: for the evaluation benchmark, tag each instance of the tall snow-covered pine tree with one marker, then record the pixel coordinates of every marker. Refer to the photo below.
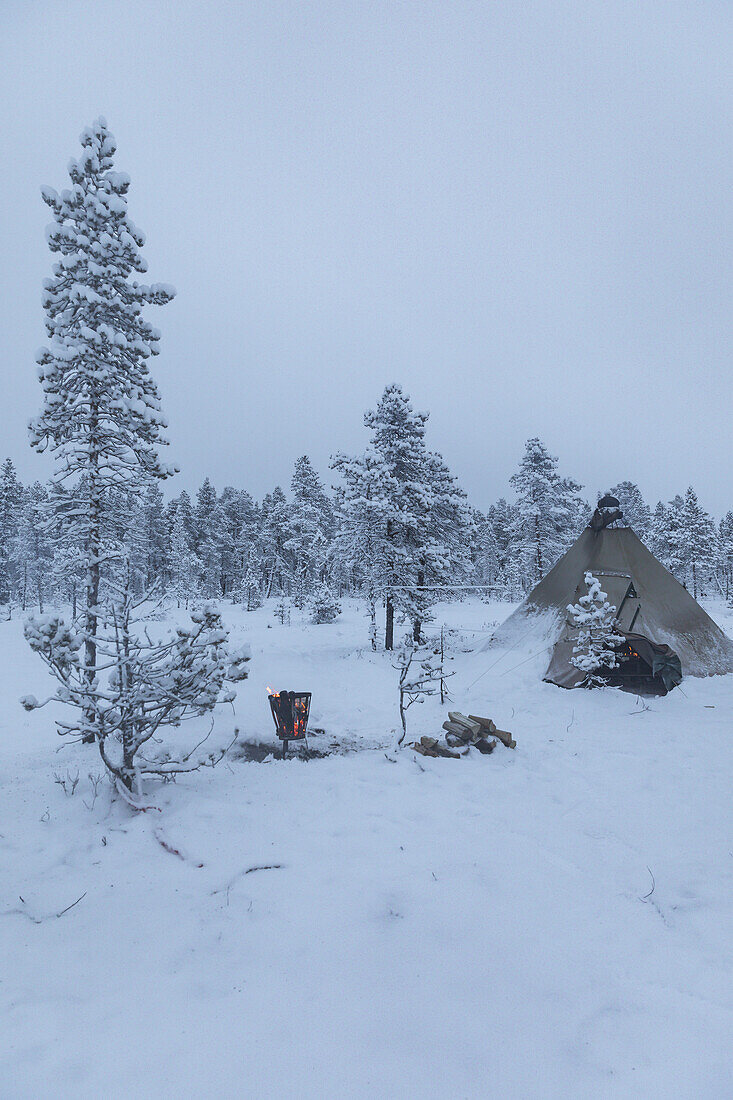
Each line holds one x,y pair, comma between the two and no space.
101,414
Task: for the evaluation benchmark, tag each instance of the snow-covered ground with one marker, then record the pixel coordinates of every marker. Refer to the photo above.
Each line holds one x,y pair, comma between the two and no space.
549,922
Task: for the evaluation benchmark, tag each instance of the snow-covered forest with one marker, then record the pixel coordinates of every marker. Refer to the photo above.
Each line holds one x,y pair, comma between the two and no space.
292,805
226,545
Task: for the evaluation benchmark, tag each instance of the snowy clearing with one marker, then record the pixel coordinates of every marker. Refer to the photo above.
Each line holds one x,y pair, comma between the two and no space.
549,922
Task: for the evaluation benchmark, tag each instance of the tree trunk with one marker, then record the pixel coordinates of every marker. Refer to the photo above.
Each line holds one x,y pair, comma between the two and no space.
389,625
389,628
442,665
372,620
417,625
272,578
92,555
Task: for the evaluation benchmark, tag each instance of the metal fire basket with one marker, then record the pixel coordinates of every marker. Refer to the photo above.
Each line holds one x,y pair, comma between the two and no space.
290,711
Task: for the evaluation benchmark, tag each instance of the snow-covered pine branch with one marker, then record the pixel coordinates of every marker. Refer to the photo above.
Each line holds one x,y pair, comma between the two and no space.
140,687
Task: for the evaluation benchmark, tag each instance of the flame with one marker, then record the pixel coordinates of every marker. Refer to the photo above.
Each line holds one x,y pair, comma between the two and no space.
291,720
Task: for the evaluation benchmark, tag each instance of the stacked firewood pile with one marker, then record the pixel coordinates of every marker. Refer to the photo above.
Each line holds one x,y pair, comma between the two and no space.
462,733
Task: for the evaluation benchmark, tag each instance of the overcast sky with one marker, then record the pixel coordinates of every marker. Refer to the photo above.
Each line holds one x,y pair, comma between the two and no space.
520,211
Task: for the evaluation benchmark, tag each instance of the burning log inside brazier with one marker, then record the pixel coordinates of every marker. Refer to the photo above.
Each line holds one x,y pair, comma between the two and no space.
290,711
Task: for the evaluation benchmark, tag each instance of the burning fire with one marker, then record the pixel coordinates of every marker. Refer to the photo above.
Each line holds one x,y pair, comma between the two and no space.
290,713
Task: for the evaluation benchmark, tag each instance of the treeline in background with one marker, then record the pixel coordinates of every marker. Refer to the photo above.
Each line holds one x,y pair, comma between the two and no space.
396,520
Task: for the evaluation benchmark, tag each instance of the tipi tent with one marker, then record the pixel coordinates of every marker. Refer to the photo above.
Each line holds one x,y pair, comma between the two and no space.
654,612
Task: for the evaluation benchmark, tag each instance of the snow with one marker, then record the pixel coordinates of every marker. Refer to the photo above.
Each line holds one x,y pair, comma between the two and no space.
376,923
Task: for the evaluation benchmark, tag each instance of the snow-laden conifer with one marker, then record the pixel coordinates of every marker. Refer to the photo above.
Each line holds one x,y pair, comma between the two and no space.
658,535
310,526
549,512
595,620
183,565
251,587
635,509
238,515
11,496
142,686
273,536
676,550
68,572
725,554
101,416
418,519
150,521
33,551
324,607
700,543
358,551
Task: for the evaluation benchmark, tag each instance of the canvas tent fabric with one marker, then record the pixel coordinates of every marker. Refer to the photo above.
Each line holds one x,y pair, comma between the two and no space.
650,603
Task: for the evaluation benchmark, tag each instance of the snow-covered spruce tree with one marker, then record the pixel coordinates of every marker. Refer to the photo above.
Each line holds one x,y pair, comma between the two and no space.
11,496
595,620
398,446
150,521
239,535
203,516
282,611
273,533
501,517
68,572
209,539
324,608
142,687
635,509
420,522
485,554
677,549
725,554
182,504
33,552
357,552
68,567
101,416
548,515
183,565
700,546
446,557
658,535
251,587
310,525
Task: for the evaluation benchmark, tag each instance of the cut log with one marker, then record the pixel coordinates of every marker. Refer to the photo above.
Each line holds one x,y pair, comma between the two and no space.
489,727
462,720
429,746
485,723
466,736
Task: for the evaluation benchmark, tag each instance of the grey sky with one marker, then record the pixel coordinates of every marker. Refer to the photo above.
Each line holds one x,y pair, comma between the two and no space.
521,211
